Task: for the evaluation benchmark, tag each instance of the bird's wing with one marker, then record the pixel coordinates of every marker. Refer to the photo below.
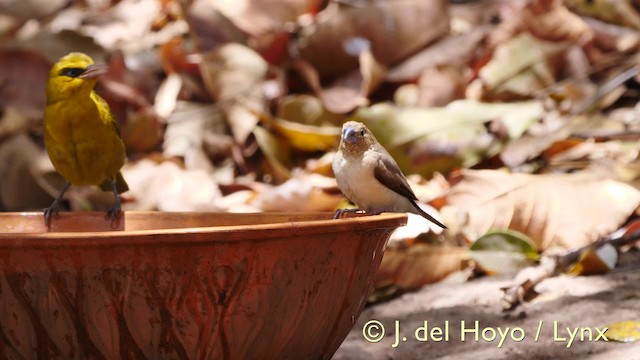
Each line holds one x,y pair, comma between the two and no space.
388,173
105,112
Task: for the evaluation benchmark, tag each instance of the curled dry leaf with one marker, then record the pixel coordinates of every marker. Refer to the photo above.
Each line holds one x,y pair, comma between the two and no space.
440,85
621,12
503,252
277,153
185,134
167,187
418,265
595,261
306,109
514,57
233,74
129,26
551,20
303,192
395,30
453,50
349,91
308,137
558,211
257,17
556,128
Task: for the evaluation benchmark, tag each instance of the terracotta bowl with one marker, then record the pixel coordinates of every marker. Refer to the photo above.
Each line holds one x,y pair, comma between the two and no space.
185,285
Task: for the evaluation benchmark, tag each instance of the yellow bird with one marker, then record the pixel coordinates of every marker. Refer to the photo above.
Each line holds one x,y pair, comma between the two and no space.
80,132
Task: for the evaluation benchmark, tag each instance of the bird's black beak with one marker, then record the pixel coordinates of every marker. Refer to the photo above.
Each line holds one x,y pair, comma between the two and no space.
349,135
93,71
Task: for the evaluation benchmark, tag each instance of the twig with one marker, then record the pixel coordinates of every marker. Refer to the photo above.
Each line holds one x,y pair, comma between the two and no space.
551,266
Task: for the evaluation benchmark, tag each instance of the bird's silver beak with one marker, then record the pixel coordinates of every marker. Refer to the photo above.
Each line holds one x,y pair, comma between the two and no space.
349,135
93,71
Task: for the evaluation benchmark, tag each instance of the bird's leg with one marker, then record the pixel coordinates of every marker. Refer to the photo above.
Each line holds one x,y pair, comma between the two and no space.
340,212
55,206
114,212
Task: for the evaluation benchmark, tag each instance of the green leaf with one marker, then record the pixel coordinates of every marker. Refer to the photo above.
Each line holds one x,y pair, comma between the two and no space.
503,251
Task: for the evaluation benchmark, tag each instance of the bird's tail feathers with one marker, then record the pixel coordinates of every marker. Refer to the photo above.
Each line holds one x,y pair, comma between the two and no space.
427,216
121,184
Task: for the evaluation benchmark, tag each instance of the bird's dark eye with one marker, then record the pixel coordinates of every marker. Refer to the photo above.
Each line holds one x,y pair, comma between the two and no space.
361,132
72,72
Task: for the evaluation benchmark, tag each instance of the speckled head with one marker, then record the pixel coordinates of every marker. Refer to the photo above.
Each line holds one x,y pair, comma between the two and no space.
356,138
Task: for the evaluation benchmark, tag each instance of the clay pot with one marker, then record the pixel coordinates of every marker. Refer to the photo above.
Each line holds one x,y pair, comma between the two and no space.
185,285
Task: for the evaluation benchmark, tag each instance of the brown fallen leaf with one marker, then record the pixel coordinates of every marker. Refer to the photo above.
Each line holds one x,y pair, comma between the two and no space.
622,12
418,265
20,73
452,50
257,17
351,90
523,58
31,9
233,74
303,192
395,30
348,91
19,187
440,85
557,211
551,20
167,187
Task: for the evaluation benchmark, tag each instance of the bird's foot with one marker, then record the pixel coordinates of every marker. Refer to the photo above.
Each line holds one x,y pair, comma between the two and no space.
113,214
55,206
50,212
340,212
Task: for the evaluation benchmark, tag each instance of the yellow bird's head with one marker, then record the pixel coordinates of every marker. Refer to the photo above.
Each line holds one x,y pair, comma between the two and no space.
72,75
356,138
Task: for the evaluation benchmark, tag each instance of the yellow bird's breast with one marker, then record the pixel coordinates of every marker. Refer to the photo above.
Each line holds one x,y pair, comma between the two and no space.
82,141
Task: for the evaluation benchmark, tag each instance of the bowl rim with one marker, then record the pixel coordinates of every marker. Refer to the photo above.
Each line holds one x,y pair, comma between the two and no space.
225,233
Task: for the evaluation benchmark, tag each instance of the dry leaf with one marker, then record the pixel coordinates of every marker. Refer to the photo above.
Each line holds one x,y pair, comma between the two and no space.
129,25
558,211
551,20
418,265
395,29
308,137
276,152
167,187
595,261
19,189
31,9
453,50
439,86
351,90
234,74
184,135
614,11
523,52
624,331
20,73
303,192
257,17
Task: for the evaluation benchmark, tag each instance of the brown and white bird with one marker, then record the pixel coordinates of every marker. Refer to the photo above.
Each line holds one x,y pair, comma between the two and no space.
368,175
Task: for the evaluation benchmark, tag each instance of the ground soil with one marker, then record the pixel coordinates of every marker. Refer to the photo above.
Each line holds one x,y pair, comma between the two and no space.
583,302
